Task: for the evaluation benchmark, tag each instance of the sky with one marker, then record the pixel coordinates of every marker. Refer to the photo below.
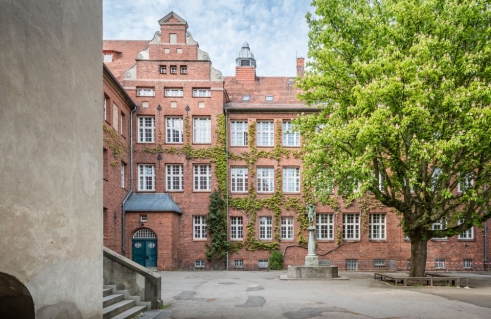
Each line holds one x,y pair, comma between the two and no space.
276,30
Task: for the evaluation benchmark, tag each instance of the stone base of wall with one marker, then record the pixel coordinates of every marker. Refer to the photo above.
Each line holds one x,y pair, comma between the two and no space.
308,272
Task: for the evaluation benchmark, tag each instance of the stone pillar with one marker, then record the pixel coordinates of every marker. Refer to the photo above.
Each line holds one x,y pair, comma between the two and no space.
311,260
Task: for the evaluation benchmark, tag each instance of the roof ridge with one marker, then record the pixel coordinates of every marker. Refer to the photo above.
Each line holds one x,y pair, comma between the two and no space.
123,40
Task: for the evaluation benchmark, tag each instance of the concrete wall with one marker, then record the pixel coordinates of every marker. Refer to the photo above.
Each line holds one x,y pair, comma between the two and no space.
51,159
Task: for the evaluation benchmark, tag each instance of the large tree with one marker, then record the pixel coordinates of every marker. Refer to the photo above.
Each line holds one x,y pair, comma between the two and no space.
405,90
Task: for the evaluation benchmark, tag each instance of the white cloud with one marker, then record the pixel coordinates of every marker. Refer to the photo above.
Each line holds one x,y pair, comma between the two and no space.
276,30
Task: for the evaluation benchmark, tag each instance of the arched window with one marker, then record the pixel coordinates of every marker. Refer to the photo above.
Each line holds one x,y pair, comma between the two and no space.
145,233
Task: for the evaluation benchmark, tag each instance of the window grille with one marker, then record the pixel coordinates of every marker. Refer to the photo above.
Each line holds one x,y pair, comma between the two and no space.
290,137
200,263
174,177
377,226
174,130
351,264
286,228
265,133
239,179
173,69
265,180
324,226
146,174
145,233
163,69
238,133
200,228
239,263
291,179
468,264
146,129
236,228
184,69
202,177
202,130
351,226
266,228
143,218
379,263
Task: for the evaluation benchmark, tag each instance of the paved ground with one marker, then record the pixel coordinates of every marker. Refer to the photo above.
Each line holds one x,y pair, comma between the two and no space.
260,294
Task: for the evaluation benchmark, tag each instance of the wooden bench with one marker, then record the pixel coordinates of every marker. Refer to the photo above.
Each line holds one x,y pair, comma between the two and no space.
429,279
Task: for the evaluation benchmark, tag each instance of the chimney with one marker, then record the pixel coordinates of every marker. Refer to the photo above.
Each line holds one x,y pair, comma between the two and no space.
300,67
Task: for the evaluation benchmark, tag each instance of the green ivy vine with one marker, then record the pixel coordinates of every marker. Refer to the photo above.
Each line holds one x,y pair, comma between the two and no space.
117,145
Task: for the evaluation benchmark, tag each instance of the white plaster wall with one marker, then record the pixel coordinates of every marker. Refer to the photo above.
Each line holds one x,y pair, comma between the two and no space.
51,153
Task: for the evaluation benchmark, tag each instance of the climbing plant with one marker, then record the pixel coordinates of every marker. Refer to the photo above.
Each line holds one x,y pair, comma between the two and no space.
217,229
118,147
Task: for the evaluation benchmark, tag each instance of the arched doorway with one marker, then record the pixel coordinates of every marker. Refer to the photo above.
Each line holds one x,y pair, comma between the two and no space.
15,299
144,248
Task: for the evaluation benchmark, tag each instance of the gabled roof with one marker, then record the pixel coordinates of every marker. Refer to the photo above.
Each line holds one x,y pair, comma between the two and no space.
172,16
151,203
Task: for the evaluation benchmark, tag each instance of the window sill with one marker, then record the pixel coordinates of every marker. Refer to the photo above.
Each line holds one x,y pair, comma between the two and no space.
200,239
170,143
291,193
291,146
270,240
239,146
202,143
325,240
146,191
239,193
378,240
145,142
265,193
201,191
287,240
267,146
238,240
174,191
351,240
175,97
466,240
438,239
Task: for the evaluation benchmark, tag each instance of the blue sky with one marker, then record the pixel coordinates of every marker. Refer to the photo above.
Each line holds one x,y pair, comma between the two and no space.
276,30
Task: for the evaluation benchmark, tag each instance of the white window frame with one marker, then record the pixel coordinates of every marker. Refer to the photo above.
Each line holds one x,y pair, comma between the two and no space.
239,133
286,229
123,166
201,92
440,263
379,263
290,138
378,229
438,226
202,130
291,179
146,179
468,183
174,130
265,179
468,263
351,226
351,264
184,68
236,228
146,129
324,224
269,98
174,92
108,57
238,263
173,177
202,177
263,264
105,107
239,180
163,69
265,133
173,69
145,92
200,230
143,218
199,264
466,234
246,98
266,228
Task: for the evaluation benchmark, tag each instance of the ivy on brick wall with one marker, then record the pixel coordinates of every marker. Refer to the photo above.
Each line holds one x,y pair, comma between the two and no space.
117,146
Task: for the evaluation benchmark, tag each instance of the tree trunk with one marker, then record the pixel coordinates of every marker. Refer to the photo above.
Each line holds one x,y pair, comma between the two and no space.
418,257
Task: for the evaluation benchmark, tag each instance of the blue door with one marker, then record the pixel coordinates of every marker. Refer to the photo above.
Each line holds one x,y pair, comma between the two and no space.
144,248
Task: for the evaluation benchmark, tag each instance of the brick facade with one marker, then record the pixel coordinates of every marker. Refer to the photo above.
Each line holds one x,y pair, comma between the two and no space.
176,246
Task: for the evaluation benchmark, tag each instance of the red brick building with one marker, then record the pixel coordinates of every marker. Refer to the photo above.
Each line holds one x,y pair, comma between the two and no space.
196,131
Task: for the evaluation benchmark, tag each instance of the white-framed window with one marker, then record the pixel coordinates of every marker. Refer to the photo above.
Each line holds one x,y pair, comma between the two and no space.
108,57
239,179
379,263
468,263
351,226
291,179
442,224
173,38
199,263
377,226
265,179
173,177
173,69
238,263
202,130
236,228
324,224
123,167
145,92
105,107
246,98
263,264
265,133
145,233
201,93
146,129
266,228
466,184
173,130
121,123
174,92
184,69
238,133
351,264
269,98
440,263
290,137
199,227
202,177
143,218
466,234
286,230
163,69
146,177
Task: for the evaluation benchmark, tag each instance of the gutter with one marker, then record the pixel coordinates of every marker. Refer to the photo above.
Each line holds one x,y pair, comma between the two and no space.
131,181
272,110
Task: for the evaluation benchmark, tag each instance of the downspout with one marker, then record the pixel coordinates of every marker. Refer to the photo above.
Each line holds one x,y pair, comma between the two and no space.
226,154
131,181
486,266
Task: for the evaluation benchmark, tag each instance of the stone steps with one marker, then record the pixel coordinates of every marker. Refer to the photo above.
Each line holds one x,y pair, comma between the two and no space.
119,304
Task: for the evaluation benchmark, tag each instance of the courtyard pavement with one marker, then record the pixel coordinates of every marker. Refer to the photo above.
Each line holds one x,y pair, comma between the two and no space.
260,294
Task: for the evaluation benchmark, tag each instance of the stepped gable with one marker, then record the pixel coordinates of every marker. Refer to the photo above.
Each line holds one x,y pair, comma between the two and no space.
125,53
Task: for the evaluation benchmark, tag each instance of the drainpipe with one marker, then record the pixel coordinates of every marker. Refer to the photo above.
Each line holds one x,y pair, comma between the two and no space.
226,154
131,181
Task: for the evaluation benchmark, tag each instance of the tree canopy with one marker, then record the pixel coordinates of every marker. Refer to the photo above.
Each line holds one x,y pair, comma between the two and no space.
405,88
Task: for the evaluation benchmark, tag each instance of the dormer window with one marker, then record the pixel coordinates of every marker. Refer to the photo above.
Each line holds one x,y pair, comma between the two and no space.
245,63
108,57
246,98
184,69
163,69
173,69
269,98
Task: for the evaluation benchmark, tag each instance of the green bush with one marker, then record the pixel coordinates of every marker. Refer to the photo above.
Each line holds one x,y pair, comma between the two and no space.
276,260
